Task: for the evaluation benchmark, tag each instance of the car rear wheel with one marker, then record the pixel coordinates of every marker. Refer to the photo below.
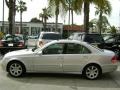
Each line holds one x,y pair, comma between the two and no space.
16,69
92,71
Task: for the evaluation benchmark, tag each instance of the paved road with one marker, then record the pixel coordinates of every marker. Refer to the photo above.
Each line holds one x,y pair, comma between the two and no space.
42,81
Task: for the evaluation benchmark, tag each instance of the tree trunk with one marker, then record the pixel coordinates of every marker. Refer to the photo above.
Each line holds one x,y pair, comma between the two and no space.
56,21
69,22
11,18
45,22
21,31
100,22
72,18
14,13
86,17
56,24
3,18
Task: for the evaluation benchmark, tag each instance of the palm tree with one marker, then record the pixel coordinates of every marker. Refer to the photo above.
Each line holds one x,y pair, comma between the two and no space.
35,20
56,6
70,9
103,10
21,8
41,16
103,24
11,5
93,25
45,15
113,30
86,3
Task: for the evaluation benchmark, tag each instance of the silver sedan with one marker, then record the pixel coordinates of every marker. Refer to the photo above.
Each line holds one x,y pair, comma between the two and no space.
61,56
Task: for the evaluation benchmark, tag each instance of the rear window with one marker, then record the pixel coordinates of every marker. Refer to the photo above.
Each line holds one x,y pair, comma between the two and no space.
94,38
15,38
51,36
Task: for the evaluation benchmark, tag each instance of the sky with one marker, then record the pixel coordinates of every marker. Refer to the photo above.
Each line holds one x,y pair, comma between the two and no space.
35,7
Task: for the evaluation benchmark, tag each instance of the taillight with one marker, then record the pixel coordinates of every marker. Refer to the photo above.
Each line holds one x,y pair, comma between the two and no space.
1,44
21,44
114,59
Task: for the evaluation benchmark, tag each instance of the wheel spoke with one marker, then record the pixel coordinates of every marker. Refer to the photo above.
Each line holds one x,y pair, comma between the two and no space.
92,68
95,70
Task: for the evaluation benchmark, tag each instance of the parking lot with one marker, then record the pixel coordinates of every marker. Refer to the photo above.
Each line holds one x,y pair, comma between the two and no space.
48,81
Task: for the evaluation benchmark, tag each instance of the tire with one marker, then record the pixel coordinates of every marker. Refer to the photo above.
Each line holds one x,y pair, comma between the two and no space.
16,69
92,71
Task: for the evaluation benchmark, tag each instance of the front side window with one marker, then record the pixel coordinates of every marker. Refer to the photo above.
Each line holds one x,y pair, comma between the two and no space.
54,49
76,49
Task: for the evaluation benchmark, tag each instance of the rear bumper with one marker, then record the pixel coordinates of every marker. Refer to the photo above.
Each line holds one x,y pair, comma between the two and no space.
109,68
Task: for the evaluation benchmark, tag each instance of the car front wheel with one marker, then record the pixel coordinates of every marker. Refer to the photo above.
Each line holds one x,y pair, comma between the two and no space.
16,69
92,72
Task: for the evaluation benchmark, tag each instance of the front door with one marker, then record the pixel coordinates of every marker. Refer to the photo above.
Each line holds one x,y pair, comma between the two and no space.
50,60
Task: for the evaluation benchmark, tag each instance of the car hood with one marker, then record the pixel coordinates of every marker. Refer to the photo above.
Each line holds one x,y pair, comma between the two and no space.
23,52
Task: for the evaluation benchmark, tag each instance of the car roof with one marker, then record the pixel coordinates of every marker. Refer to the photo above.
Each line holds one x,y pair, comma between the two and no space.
86,34
72,41
68,41
49,32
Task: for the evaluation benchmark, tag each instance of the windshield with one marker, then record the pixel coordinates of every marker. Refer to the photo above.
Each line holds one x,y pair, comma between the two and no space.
51,36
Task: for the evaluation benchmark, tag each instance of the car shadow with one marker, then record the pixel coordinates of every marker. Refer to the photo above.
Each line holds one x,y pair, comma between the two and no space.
71,80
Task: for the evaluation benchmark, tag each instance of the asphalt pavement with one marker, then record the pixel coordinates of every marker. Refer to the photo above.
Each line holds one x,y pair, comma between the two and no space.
43,81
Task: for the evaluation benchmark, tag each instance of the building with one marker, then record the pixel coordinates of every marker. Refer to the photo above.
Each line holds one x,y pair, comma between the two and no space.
69,29
31,28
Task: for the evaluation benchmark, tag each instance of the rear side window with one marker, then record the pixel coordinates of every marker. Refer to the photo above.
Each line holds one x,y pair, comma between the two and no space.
51,36
72,48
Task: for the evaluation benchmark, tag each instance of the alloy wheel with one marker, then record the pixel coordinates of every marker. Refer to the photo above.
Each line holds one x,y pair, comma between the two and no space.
16,69
92,72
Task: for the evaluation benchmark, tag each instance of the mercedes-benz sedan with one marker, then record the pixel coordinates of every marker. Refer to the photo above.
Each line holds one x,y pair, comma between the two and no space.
61,56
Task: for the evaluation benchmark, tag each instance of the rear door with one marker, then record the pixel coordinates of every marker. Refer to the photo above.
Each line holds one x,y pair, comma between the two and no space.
75,56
